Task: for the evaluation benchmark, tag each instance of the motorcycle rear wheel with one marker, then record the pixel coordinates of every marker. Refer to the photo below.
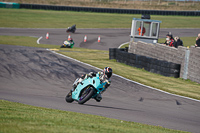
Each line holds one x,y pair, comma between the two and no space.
68,98
86,94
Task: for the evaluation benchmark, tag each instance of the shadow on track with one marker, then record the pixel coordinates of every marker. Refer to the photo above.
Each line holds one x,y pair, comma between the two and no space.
115,108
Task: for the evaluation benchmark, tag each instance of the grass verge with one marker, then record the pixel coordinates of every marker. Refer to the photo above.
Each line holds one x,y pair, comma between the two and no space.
18,118
24,41
24,18
100,59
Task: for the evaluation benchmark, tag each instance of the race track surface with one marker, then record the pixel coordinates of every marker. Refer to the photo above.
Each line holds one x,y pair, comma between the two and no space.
39,77
110,38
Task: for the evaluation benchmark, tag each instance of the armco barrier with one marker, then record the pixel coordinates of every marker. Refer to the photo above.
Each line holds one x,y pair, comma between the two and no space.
153,65
110,10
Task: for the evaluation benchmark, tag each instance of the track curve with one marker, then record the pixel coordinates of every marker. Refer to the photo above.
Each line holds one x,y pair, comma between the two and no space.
38,77
110,38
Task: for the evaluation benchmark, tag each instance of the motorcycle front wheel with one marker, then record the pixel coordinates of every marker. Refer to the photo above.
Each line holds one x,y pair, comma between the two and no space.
86,94
68,98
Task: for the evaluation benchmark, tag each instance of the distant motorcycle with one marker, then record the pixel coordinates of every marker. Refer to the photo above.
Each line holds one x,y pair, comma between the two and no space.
71,29
67,44
87,89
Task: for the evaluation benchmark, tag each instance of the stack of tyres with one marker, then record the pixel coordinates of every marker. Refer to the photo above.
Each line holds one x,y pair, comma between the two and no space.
148,66
122,49
112,53
174,70
126,49
164,68
132,59
118,55
125,56
128,59
154,67
137,61
141,62
145,63
169,69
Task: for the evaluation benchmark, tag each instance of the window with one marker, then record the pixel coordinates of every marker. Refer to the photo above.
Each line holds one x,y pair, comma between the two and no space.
147,27
138,27
154,29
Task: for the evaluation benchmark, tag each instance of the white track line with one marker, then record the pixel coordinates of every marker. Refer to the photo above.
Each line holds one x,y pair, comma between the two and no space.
123,44
38,40
125,78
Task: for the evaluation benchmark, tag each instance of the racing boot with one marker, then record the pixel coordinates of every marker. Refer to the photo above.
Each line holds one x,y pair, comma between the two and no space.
98,98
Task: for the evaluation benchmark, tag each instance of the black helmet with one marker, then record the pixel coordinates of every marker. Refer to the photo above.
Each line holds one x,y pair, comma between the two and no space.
71,40
108,72
170,35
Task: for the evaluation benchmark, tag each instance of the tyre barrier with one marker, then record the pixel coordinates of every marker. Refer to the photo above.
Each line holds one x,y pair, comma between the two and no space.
112,53
153,65
110,10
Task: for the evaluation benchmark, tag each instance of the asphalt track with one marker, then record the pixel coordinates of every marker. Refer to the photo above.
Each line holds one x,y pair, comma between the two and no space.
110,38
39,77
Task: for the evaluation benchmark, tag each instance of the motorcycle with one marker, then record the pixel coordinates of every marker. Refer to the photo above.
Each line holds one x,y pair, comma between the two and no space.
85,90
67,44
71,29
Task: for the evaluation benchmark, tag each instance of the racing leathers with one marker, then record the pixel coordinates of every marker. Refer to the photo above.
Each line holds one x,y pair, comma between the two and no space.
103,79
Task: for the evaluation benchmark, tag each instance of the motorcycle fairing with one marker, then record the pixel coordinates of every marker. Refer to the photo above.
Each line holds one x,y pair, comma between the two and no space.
94,82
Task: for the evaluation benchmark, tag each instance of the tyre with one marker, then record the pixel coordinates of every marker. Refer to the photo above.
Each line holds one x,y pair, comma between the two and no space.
86,94
126,49
146,68
174,66
174,71
133,56
112,56
148,60
144,64
112,53
153,70
68,98
176,75
164,64
122,49
155,61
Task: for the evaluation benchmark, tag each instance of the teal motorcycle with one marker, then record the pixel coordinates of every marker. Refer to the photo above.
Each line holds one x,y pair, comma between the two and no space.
87,89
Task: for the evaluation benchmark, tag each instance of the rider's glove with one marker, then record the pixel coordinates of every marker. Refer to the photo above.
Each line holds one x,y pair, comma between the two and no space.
91,74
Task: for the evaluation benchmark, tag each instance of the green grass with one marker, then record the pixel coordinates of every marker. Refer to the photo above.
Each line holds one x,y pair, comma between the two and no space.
24,41
23,18
19,118
100,59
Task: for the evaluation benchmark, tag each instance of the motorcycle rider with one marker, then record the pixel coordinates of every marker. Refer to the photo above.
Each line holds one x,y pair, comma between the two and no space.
68,44
71,29
104,77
